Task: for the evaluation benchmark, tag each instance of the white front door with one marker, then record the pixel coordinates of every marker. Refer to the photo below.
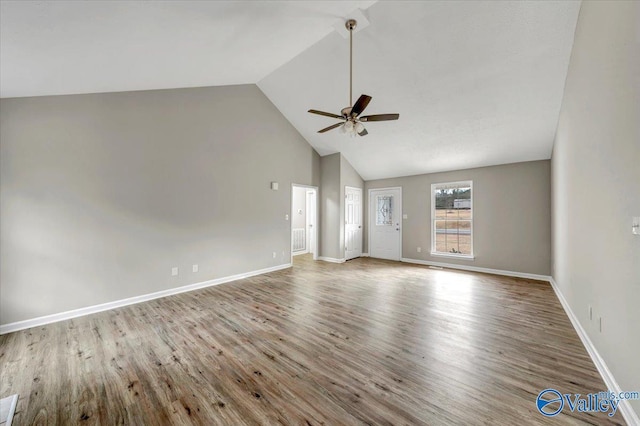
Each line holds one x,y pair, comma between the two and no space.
385,217
352,222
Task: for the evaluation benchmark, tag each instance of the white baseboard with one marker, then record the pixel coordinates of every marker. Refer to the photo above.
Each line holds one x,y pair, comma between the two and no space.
364,255
478,269
48,319
298,253
8,409
629,414
331,259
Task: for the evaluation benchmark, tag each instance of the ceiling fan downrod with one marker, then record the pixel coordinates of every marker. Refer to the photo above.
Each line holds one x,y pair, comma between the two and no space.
351,25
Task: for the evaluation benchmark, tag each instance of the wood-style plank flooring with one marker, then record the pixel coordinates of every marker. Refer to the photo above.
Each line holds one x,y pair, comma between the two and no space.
365,342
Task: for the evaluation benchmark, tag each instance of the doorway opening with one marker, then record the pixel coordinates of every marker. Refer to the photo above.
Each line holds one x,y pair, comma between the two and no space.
304,218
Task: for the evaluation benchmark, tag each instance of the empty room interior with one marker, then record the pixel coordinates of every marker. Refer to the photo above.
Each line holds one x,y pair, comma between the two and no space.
320,212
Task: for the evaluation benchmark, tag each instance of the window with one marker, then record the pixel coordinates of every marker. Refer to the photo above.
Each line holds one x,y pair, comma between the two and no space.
452,219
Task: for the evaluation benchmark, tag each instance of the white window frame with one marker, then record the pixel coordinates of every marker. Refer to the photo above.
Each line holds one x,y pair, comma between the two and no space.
434,187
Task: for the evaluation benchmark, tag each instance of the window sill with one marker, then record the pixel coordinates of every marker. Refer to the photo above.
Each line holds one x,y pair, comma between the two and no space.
453,256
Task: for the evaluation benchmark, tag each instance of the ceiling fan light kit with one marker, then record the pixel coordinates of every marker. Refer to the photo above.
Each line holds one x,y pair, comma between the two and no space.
352,128
351,121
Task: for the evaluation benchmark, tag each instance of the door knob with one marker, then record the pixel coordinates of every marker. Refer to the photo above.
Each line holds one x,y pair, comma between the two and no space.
359,226
397,229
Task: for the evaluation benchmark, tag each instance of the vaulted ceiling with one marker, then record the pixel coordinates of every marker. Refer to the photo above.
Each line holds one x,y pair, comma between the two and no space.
476,83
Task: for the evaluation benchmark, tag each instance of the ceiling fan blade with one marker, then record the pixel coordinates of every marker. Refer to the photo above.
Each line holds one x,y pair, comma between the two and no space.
363,132
360,105
326,114
380,117
326,129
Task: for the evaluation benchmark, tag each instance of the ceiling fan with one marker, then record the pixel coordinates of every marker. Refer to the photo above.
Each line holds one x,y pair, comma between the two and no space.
352,122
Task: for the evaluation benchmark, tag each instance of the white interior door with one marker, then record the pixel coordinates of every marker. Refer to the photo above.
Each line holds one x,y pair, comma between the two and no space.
311,221
385,218
352,222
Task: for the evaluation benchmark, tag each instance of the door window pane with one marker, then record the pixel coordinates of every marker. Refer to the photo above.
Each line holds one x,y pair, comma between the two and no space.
384,210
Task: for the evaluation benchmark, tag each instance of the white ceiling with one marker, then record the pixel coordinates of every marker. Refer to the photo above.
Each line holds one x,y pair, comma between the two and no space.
64,47
475,83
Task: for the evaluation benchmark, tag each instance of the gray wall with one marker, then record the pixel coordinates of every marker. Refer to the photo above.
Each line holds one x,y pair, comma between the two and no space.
299,220
336,173
329,244
596,184
103,194
511,216
330,206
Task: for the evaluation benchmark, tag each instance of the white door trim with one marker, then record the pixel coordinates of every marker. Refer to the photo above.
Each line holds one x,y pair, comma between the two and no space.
311,220
369,227
315,231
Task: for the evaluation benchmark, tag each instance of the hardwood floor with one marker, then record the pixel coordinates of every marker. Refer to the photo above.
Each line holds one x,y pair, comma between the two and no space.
365,342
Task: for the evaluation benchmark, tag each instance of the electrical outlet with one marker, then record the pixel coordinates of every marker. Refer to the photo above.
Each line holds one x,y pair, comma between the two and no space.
286,217
419,249
195,268
274,254
590,313
174,272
